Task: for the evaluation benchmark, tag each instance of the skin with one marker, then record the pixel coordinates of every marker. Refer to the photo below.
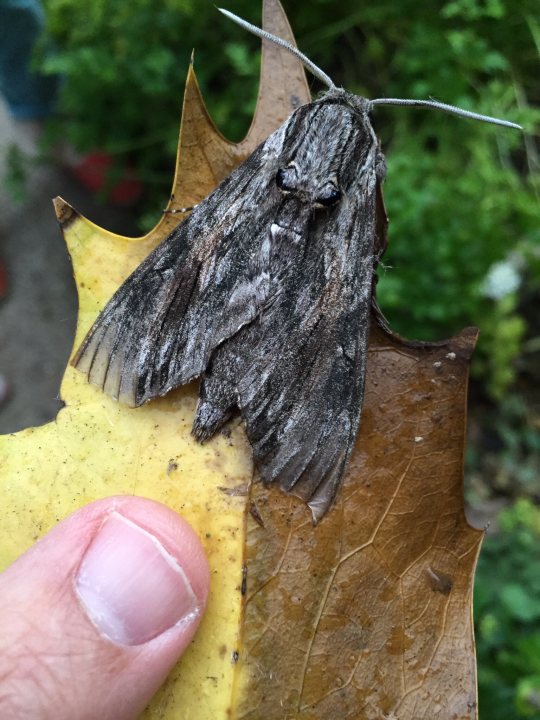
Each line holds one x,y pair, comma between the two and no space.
53,657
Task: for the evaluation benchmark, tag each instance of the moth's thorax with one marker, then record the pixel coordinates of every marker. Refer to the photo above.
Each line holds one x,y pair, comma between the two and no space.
293,215
329,143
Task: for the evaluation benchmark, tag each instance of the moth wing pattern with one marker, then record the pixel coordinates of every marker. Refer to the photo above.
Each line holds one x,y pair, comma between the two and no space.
302,415
297,373
192,292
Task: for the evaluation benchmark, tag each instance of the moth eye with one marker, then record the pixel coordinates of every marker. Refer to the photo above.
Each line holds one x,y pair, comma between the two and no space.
283,180
328,197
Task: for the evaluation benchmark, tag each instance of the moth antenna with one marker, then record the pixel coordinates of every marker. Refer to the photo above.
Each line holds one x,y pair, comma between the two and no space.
313,69
446,108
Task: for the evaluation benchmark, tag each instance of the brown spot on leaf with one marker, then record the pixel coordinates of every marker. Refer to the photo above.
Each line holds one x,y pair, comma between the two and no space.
238,490
439,581
65,214
255,514
398,641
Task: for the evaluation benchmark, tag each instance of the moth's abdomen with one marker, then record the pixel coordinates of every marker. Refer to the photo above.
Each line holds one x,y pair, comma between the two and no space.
217,398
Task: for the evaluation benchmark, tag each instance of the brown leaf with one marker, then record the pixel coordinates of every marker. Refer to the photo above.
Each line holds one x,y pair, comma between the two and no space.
368,614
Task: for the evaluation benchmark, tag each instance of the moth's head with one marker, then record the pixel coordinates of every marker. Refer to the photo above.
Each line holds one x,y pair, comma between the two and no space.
323,178
289,181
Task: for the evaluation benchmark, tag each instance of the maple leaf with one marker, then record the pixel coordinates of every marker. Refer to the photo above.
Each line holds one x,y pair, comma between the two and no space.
366,615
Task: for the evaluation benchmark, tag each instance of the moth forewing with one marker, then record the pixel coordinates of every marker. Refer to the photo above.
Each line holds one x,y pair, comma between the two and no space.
150,333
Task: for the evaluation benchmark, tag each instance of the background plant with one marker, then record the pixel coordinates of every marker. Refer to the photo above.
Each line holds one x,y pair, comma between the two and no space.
507,602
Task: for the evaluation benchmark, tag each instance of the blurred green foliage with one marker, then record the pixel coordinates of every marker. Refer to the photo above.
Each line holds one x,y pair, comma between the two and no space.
507,608
504,452
462,197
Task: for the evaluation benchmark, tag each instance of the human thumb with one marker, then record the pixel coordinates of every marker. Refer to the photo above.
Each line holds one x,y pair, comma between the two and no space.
94,616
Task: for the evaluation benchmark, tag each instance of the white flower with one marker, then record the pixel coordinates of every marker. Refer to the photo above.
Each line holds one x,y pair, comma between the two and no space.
503,278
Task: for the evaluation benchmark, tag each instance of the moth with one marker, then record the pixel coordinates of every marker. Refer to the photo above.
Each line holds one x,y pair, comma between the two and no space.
264,292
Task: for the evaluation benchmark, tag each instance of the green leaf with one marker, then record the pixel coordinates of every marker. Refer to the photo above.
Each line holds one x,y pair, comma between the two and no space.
519,604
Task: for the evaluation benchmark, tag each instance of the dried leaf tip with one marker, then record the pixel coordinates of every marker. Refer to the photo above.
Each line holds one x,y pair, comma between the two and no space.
313,69
65,214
